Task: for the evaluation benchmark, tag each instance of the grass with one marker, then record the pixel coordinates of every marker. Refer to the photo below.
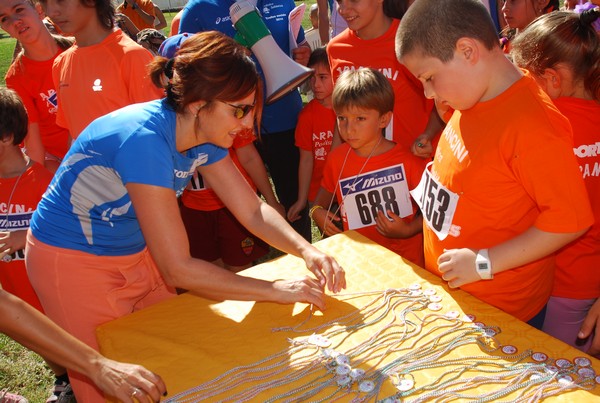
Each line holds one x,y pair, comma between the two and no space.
22,371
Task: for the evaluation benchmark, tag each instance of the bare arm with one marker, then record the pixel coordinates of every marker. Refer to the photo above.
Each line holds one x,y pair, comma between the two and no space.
29,327
162,22
458,265
33,144
253,164
266,223
148,18
323,21
323,218
305,169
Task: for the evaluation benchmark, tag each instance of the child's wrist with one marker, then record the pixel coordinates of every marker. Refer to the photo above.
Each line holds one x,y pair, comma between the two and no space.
312,210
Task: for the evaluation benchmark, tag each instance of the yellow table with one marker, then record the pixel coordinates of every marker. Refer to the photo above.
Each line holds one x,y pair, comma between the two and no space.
189,340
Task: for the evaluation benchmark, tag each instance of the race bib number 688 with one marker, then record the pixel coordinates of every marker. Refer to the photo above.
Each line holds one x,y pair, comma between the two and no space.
437,203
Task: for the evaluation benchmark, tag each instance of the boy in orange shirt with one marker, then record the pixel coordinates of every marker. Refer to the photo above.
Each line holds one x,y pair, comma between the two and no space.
504,191
368,174
314,134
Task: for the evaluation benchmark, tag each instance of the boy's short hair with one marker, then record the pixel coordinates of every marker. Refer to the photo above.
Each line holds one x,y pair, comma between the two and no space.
318,56
432,27
13,116
363,88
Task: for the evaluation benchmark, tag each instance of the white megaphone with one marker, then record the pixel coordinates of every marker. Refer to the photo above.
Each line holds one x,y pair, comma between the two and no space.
282,74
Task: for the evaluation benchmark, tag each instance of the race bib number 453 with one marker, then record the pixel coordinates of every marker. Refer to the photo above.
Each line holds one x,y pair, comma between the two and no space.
382,190
437,203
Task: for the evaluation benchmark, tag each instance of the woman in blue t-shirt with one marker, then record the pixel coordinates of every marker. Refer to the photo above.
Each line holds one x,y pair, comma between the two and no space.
107,238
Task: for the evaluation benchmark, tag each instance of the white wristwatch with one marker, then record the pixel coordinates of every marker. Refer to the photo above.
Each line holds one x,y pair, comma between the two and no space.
483,266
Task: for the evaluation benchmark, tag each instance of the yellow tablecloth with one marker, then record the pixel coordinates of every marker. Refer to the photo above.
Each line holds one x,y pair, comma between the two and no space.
189,340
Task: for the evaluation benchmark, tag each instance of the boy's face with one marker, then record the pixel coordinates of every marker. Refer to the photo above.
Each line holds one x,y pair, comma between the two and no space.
321,83
361,128
71,16
452,84
20,20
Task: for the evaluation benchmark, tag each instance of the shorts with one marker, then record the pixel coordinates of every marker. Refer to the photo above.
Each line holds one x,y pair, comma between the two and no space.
218,234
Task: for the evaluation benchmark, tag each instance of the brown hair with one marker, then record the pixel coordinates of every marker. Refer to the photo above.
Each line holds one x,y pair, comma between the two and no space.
363,88
562,37
432,27
13,116
104,10
208,66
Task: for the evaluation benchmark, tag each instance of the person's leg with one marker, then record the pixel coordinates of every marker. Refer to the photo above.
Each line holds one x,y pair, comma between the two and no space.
564,318
80,291
238,246
282,157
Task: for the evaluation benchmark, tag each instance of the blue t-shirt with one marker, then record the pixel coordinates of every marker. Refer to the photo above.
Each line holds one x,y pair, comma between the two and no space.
87,207
213,15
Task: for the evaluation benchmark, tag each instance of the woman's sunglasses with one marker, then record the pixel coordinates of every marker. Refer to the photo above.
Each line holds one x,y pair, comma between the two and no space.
240,111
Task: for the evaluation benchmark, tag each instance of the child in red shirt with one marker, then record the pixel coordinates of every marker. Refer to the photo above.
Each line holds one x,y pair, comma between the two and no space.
314,133
369,175
568,72
504,190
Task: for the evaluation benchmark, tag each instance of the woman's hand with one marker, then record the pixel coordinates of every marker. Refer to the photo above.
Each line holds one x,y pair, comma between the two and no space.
128,382
327,270
306,290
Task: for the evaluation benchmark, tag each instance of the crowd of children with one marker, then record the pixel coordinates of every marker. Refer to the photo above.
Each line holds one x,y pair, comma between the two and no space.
505,211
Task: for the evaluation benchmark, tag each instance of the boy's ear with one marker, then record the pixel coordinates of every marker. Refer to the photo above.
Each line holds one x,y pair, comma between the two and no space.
468,49
384,119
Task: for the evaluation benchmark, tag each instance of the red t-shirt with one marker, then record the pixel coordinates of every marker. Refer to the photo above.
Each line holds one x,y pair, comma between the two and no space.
577,265
347,51
345,164
314,133
505,165
26,193
32,80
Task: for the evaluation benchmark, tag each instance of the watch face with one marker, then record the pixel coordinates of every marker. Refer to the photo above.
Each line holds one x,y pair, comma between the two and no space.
482,266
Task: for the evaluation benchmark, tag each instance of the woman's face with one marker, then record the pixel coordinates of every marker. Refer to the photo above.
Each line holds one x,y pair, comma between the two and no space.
220,122
20,20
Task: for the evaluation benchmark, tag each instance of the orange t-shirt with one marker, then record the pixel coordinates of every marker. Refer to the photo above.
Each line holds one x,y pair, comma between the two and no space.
92,81
344,164
199,196
347,51
314,133
145,5
577,275
506,165
28,191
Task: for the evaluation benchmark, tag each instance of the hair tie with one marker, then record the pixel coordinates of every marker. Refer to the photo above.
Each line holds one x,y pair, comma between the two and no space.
168,70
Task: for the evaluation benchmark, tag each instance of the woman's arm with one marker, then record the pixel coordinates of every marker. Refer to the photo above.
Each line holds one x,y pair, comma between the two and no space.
263,221
29,327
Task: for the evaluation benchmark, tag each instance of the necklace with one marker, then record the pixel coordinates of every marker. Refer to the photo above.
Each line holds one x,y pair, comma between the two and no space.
353,182
8,258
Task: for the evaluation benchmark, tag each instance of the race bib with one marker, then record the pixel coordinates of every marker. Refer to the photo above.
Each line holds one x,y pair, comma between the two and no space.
437,203
382,190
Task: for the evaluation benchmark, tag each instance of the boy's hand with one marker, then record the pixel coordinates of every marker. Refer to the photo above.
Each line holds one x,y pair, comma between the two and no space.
458,267
394,228
292,214
326,220
422,146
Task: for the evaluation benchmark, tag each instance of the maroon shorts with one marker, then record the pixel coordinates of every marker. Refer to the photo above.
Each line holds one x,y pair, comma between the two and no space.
219,235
